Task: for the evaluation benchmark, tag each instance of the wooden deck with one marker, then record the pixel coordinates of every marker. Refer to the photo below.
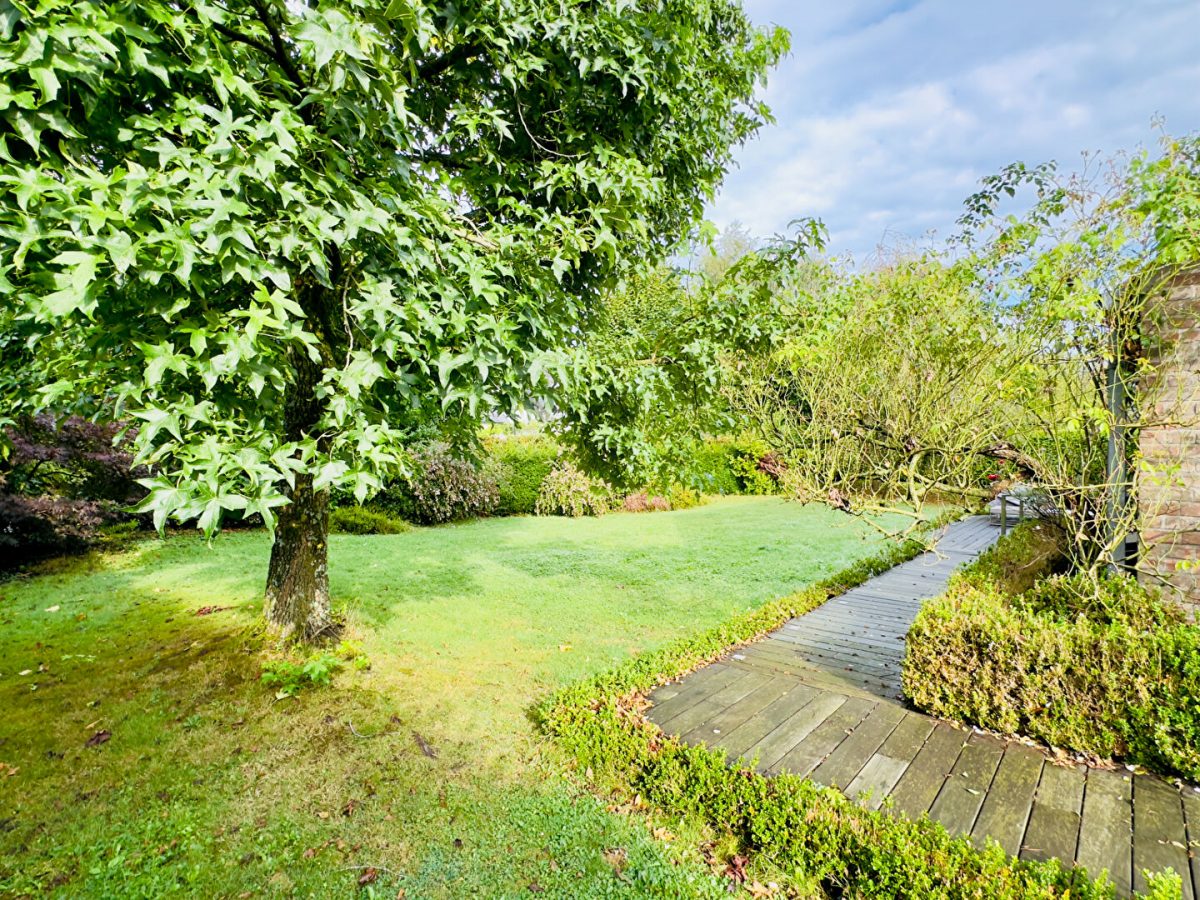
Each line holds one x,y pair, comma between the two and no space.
821,697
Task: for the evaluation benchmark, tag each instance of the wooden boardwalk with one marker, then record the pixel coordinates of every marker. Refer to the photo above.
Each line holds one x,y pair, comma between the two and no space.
821,697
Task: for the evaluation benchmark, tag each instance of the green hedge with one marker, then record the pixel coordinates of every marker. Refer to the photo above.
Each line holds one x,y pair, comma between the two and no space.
519,465
815,835
1101,667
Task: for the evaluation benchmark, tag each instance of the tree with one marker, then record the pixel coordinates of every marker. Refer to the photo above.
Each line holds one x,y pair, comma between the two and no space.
282,237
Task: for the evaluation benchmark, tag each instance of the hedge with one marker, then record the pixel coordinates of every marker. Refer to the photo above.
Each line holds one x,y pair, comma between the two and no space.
1102,667
814,834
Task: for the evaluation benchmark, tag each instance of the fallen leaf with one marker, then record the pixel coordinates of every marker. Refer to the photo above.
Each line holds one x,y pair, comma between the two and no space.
563,648
8,771
100,737
369,876
209,610
535,888
736,869
26,672
424,745
53,608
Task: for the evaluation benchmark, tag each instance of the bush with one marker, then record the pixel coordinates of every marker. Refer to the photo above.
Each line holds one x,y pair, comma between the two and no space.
756,467
710,470
641,501
72,457
519,465
33,528
1031,551
365,520
567,491
1101,667
442,488
816,836
681,497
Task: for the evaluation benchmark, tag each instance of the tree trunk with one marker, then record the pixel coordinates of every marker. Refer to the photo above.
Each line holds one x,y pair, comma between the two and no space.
297,597
297,604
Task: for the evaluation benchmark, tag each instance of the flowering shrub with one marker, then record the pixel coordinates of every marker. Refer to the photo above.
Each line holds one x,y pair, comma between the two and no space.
441,488
569,492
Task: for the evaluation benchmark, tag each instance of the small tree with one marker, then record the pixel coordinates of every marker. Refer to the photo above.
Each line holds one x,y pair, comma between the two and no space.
283,237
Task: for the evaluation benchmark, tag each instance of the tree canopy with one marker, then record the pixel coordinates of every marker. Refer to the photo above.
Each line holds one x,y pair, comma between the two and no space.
282,237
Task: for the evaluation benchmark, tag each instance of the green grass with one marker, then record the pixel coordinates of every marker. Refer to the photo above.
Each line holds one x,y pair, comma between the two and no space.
210,786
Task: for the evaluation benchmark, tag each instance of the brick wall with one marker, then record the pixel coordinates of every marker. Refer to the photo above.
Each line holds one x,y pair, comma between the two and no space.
1169,485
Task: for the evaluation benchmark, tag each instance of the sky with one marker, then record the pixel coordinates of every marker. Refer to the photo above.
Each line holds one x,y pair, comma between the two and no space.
888,112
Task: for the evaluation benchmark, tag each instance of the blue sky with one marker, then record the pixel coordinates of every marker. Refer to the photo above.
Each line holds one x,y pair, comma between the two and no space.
888,113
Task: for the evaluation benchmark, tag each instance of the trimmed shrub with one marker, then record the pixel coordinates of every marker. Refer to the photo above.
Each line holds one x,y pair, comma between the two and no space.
1101,667
1031,551
365,520
519,465
442,488
567,491
710,470
814,835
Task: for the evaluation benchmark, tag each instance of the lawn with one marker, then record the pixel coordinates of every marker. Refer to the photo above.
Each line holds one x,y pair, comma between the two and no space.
421,776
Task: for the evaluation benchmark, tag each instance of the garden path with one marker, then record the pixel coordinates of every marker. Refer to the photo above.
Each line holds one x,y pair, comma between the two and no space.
820,697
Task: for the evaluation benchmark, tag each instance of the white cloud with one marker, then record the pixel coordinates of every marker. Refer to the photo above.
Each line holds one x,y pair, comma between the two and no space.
889,112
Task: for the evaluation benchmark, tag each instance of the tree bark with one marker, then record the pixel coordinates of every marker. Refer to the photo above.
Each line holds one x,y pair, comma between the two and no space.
297,596
297,602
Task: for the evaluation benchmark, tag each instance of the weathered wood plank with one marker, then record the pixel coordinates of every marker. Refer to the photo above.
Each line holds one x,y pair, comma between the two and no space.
883,770
738,740
714,703
1005,811
847,760
771,691
1191,814
1053,830
825,738
694,689
1106,830
1159,835
958,802
923,779
794,729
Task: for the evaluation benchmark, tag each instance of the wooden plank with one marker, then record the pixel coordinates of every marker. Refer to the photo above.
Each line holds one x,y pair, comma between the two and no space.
958,802
695,688
883,770
824,739
847,760
1191,813
847,660
830,679
794,729
772,690
1159,835
1053,830
923,779
1106,830
1005,812
737,741
714,703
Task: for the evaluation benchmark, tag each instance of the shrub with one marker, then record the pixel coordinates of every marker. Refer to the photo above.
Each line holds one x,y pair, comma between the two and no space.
641,501
442,488
567,491
681,497
814,835
365,520
72,457
1029,552
519,465
1101,667
33,528
756,467
710,470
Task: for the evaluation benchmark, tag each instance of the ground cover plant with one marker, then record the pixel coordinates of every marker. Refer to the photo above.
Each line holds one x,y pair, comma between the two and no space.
142,755
810,839
1101,666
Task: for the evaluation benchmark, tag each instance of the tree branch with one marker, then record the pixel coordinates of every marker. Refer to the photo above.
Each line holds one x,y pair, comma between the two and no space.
460,54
